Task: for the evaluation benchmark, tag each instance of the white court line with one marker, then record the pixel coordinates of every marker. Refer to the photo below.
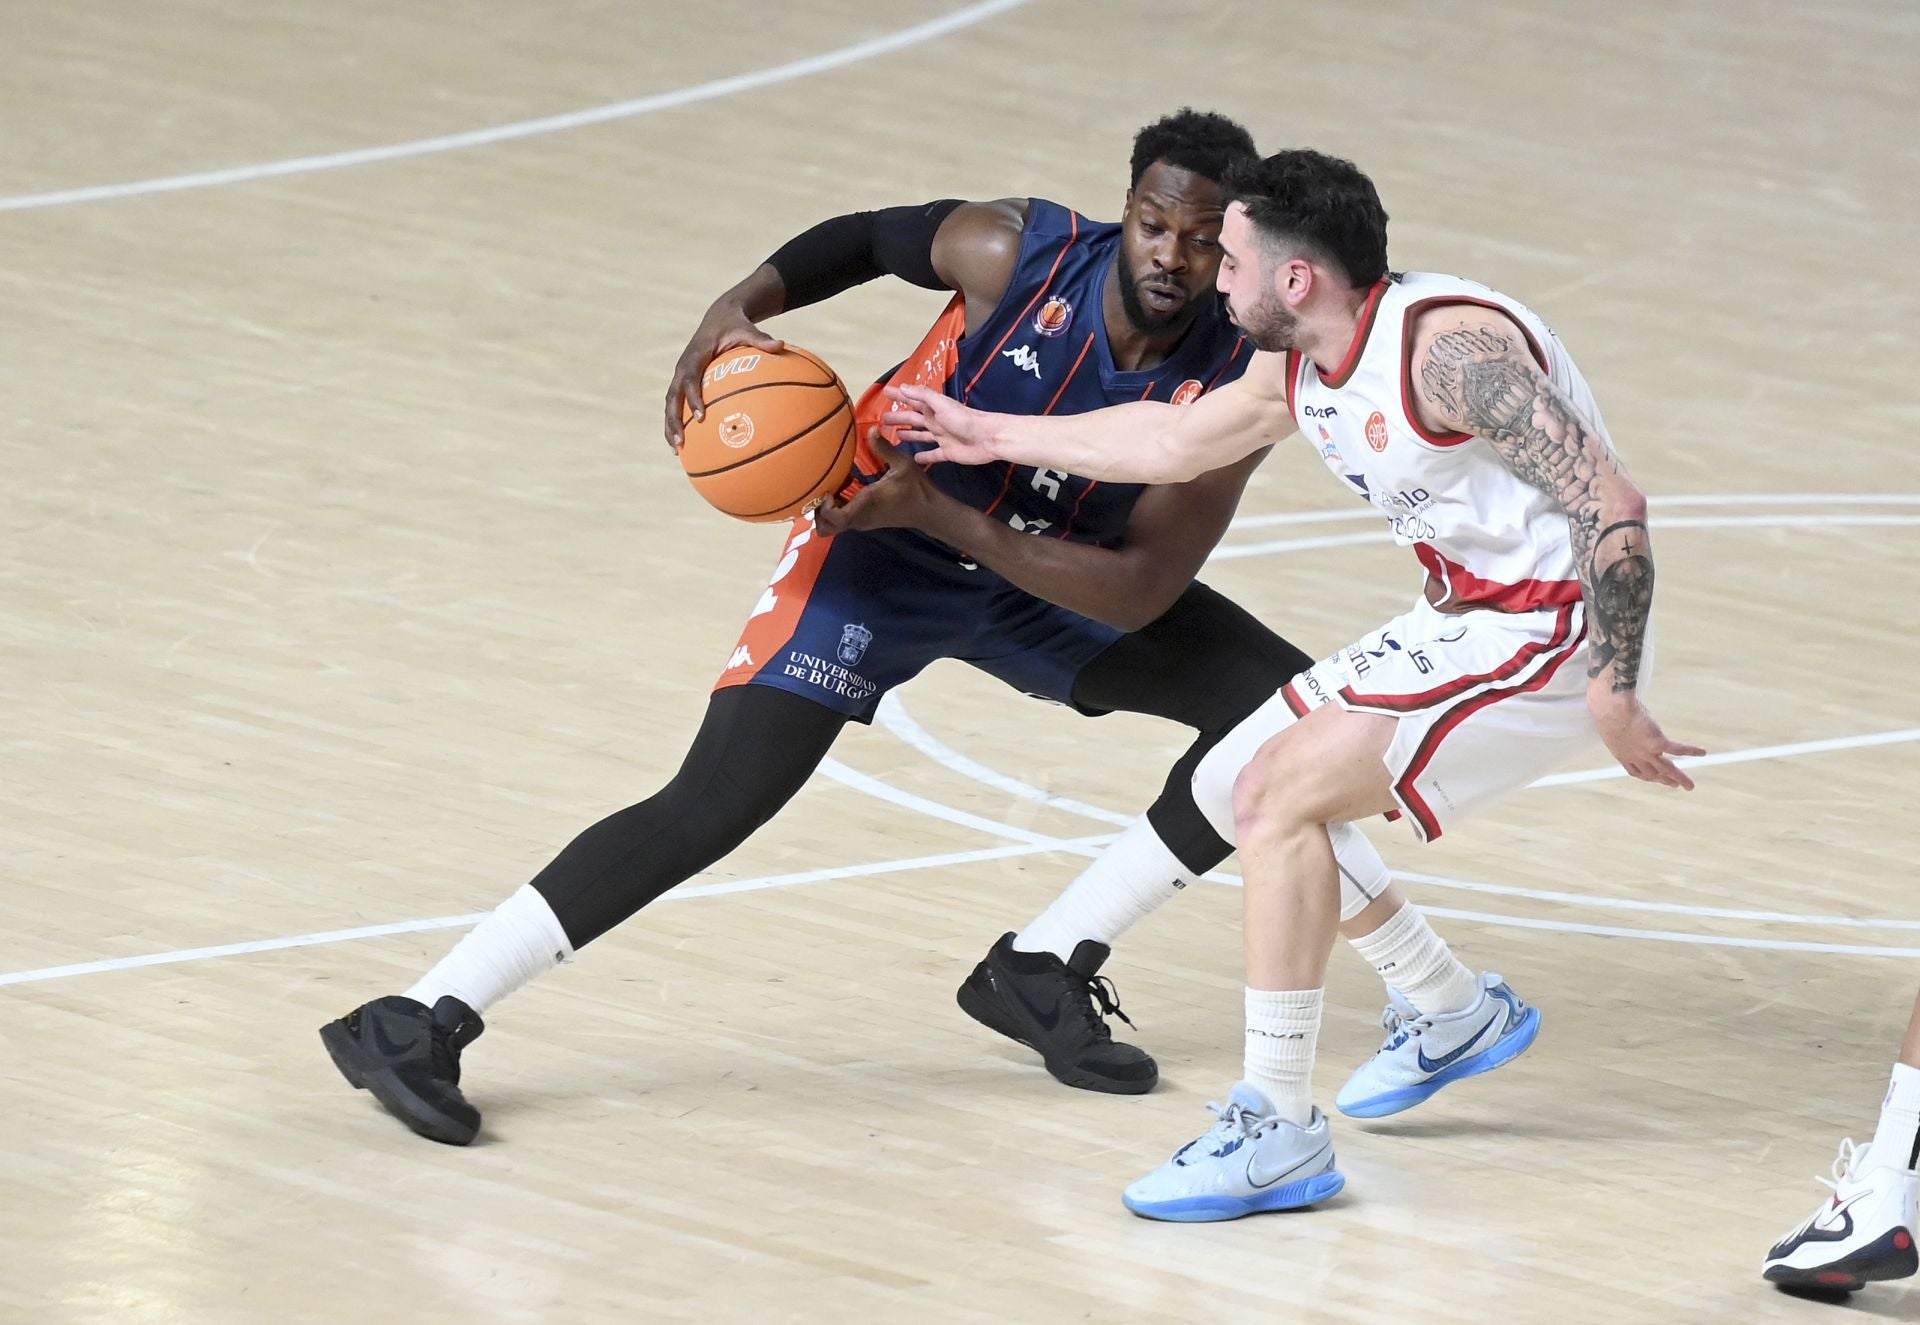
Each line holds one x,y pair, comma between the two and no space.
620,110
1744,756
895,718
1030,842
1657,503
910,800
935,749
1667,935
1238,551
1072,845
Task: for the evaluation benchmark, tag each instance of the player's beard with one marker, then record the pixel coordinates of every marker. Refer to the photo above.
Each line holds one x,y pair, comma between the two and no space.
1148,322
1268,324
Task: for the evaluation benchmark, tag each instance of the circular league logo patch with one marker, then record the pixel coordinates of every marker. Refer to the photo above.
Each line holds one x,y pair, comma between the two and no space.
1054,317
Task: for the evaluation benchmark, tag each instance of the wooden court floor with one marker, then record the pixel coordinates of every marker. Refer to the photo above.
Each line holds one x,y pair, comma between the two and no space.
343,577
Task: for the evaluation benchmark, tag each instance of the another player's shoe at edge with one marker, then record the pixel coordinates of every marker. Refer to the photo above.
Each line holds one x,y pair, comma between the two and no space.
1423,1054
1862,1233
1249,1162
1050,1006
408,1057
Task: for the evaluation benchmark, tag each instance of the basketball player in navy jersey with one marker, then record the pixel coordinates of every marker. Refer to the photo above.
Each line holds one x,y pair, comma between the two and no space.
1064,588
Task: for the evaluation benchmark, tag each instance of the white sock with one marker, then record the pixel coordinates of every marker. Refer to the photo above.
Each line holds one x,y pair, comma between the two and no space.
1897,1138
521,939
1133,877
1416,961
1282,1027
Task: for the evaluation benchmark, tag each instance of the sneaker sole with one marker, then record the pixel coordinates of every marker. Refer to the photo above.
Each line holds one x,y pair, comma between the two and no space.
1883,1258
419,1116
1503,1051
1214,1209
991,1013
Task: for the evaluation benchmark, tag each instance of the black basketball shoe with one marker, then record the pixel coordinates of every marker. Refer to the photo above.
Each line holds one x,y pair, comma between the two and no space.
1049,1006
409,1057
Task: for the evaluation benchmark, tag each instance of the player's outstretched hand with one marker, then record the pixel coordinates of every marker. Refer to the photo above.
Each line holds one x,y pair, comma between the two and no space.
958,433
901,498
725,327
1636,740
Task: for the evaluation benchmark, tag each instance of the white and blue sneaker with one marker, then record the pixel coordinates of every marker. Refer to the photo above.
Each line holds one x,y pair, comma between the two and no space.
1250,1161
1422,1054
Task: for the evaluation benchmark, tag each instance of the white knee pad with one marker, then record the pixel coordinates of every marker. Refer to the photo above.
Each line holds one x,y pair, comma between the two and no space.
1363,875
1214,777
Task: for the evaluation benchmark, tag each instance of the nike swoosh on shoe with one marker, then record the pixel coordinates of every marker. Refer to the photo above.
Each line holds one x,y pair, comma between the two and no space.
1284,1174
1435,1064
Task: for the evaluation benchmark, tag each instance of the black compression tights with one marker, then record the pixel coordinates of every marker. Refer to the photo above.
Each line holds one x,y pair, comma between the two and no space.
1205,663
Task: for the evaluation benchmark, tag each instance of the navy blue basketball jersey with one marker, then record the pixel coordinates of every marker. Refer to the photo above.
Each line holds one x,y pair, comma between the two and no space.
1044,351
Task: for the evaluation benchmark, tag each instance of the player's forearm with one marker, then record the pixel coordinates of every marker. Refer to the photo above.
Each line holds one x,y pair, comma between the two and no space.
758,297
1133,443
1108,585
1614,552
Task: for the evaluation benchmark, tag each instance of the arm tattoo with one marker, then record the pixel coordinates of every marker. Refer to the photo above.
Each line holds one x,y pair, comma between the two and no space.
1473,376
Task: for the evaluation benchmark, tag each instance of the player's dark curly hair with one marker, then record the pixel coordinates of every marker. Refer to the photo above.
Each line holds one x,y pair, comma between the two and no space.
1196,140
1302,200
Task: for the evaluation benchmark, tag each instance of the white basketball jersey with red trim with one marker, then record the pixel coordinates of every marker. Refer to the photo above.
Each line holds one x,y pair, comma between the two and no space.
1487,538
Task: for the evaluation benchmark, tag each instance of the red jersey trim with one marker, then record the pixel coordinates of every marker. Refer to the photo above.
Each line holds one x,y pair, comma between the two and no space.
1368,313
1465,589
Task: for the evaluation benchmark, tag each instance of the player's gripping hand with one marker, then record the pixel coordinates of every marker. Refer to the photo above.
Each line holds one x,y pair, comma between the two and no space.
901,498
958,433
1635,739
725,327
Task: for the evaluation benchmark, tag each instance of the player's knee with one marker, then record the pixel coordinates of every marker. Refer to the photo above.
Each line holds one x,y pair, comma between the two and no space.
1213,781
1275,794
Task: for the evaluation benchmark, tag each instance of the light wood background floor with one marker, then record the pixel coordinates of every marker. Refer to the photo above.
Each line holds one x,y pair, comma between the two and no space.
343,577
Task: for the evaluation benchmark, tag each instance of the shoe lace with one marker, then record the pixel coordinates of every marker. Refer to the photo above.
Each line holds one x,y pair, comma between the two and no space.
445,1043
1100,989
1235,1123
1842,1169
1400,1028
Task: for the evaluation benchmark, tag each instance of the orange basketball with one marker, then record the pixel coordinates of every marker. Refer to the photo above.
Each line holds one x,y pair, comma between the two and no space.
777,437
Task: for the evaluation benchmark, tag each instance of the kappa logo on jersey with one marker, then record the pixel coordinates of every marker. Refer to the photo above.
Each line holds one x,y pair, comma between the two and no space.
744,363
736,430
740,658
1024,359
1054,317
853,644
1187,392
1377,436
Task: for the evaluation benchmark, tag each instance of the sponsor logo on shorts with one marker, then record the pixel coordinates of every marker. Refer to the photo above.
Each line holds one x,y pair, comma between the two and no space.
1054,317
1187,392
853,644
1377,436
828,675
736,430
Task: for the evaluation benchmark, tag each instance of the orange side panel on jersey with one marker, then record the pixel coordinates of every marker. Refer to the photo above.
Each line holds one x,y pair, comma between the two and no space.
932,364
773,622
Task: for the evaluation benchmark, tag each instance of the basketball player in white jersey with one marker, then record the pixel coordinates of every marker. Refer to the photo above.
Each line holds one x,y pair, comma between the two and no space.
1866,1230
1457,413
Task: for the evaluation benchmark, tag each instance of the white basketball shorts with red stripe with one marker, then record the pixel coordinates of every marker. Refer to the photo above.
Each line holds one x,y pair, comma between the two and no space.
1487,702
